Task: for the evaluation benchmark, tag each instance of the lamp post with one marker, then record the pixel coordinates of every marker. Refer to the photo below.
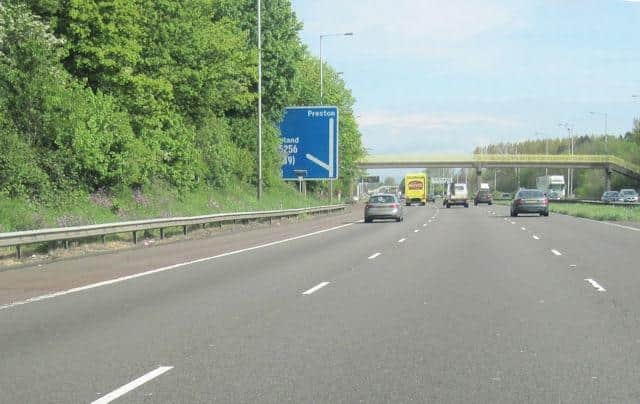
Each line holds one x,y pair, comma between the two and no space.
569,170
606,137
259,100
322,91
322,63
546,150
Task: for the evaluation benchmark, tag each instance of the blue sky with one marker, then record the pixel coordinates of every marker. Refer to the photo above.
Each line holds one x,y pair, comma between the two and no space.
443,76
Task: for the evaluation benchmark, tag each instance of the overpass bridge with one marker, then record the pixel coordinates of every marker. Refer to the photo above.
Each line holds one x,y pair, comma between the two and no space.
609,164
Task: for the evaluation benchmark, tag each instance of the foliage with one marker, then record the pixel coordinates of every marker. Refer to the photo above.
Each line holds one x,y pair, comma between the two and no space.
596,212
587,183
104,97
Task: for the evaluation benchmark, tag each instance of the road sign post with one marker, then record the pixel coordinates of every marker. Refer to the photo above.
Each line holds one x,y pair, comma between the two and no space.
310,140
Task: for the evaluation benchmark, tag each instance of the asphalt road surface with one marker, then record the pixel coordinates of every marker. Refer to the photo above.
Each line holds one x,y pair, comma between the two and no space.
451,306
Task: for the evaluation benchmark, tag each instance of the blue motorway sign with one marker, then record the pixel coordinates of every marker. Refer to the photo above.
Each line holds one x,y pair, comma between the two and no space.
310,143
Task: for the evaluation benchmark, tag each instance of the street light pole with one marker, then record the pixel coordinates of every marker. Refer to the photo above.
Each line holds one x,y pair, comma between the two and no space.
322,92
546,151
322,62
259,100
569,170
606,137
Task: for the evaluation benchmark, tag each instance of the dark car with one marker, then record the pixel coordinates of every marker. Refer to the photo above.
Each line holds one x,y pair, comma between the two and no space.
530,201
483,196
383,206
611,197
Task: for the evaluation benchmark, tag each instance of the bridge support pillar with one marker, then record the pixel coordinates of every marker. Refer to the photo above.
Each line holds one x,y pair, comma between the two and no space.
607,179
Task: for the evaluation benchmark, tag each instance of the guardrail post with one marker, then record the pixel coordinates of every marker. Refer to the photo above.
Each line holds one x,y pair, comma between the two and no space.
161,233
102,239
135,238
184,230
19,251
66,244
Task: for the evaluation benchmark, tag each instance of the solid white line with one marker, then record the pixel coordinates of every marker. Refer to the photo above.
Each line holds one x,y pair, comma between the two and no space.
331,146
374,256
556,252
536,237
416,231
513,222
315,288
523,228
132,385
596,285
607,223
402,240
167,268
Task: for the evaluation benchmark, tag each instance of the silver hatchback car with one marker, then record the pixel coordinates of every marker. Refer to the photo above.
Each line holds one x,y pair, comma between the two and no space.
383,206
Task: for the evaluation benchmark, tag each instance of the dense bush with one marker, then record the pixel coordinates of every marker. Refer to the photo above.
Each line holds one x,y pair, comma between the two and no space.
99,94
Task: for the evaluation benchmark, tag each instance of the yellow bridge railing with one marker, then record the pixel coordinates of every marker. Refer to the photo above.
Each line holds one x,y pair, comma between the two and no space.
506,158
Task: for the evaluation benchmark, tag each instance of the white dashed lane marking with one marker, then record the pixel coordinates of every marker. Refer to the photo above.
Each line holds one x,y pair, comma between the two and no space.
315,288
596,285
132,385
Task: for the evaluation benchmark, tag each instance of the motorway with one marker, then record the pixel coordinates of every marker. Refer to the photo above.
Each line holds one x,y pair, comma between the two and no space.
450,306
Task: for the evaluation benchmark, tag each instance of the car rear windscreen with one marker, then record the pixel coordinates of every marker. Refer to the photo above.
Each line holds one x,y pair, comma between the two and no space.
382,199
530,194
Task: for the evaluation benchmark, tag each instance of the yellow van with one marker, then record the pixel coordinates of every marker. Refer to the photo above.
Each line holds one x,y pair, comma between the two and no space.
416,188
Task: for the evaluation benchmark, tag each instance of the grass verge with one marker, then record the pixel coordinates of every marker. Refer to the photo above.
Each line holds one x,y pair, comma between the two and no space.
597,212
155,201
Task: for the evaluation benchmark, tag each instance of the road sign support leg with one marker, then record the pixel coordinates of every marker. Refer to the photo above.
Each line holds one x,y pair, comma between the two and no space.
330,192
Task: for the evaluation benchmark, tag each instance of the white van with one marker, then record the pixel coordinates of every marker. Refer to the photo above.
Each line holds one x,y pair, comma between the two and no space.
457,194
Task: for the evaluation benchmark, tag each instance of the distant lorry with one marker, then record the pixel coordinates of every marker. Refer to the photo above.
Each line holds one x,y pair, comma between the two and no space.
484,186
416,187
552,185
456,194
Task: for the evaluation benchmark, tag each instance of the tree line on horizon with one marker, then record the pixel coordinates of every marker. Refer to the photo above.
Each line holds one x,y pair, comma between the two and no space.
587,183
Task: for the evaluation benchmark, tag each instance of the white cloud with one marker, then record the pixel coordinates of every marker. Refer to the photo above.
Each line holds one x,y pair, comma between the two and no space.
430,120
410,22
419,132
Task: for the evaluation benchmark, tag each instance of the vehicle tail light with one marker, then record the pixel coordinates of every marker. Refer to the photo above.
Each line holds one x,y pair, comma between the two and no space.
369,206
518,201
395,205
545,201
